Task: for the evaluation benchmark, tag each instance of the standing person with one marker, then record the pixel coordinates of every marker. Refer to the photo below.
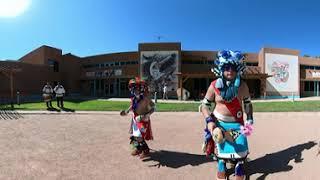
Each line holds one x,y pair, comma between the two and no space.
59,90
165,91
18,98
142,108
226,125
47,95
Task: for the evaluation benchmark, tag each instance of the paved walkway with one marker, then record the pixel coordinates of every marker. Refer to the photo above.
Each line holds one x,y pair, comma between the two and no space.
65,112
14,113
317,98
75,146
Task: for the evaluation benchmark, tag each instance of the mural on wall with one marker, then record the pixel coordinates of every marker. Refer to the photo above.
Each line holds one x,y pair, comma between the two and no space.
284,70
280,72
311,74
159,68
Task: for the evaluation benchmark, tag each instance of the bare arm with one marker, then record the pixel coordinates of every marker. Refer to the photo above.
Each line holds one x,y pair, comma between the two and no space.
206,105
206,108
125,112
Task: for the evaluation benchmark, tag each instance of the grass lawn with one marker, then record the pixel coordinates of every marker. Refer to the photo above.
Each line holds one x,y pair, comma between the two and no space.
98,105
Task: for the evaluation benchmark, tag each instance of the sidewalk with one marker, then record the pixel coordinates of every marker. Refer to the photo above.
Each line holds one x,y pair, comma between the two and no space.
64,112
17,112
158,100
317,98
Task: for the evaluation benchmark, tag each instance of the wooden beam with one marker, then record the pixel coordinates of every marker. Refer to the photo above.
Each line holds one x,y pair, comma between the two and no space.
185,79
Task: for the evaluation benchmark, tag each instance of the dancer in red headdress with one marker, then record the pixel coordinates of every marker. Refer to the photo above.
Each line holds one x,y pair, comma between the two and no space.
142,107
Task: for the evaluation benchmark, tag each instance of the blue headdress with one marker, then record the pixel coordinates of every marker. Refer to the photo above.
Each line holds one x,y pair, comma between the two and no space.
228,89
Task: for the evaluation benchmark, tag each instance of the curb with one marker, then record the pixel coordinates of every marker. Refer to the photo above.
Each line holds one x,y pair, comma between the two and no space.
66,113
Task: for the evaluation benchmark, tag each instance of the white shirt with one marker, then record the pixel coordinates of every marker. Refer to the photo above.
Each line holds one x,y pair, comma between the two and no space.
47,89
59,90
165,89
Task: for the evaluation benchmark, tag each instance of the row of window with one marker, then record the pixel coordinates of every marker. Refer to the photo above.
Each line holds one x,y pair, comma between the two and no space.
251,64
198,62
311,86
109,64
116,72
310,67
123,63
109,88
212,62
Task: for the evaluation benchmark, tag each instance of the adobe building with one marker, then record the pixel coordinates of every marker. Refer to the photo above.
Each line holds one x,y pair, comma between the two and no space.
270,73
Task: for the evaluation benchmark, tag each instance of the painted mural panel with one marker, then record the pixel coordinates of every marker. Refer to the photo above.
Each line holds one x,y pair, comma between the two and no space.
285,72
159,68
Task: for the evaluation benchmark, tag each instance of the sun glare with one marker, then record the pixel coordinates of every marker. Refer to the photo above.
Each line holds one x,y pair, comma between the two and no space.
13,8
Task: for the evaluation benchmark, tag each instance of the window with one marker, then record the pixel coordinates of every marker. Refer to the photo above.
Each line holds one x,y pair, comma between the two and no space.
117,64
97,84
251,64
309,86
312,86
91,87
122,63
54,65
306,86
88,66
98,74
185,62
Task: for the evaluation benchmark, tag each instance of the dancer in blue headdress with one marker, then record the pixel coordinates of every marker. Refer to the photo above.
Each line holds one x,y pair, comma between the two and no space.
225,125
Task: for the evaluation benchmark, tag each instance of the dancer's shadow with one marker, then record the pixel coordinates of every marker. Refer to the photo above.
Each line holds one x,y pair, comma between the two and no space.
278,161
53,109
176,159
67,109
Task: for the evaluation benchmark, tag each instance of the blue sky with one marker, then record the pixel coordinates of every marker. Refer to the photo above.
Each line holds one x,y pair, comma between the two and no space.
90,27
